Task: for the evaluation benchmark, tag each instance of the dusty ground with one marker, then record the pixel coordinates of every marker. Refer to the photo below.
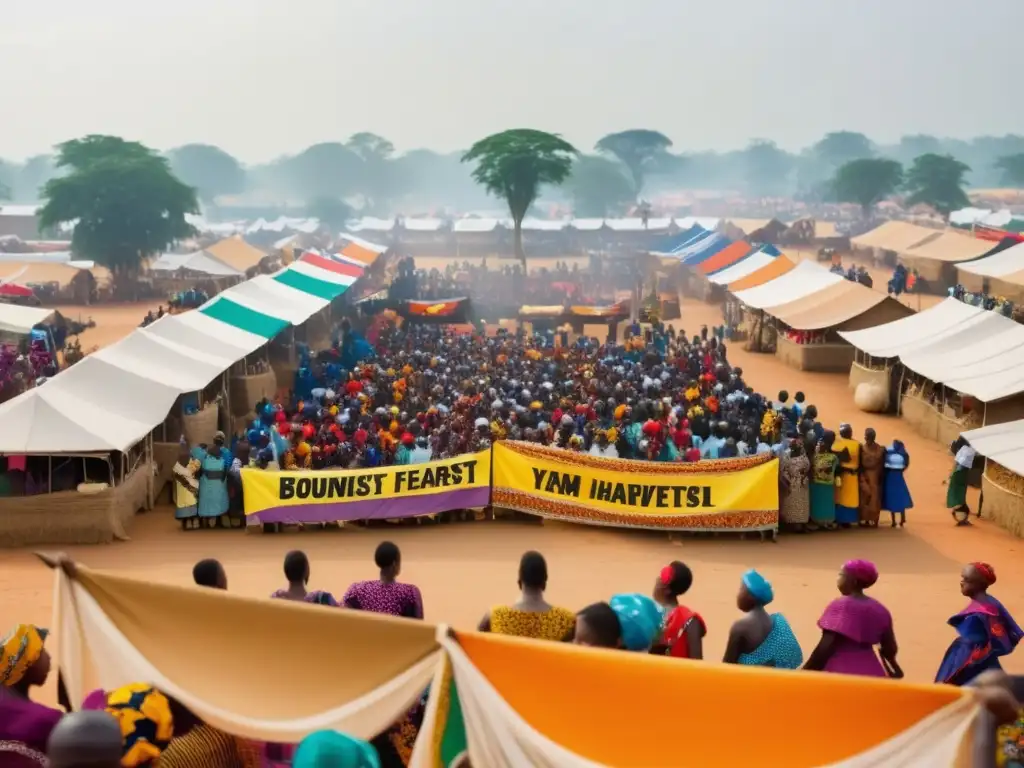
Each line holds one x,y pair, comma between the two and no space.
463,569
113,321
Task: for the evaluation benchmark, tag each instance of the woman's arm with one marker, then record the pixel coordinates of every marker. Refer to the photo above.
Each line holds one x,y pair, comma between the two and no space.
732,648
694,633
823,651
888,650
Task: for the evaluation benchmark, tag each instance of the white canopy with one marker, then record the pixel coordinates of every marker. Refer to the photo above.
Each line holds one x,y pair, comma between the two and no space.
266,295
636,224
805,278
21,320
158,359
541,225
199,261
1003,443
914,332
742,268
422,224
371,224
997,265
194,330
476,225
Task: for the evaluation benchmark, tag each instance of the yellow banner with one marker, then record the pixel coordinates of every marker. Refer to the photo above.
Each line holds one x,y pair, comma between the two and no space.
406,490
723,495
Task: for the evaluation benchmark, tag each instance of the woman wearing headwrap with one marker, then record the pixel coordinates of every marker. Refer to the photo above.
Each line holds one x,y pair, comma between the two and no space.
684,629
847,490
761,639
186,488
852,625
24,664
823,481
330,749
985,629
213,481
895,493
627,622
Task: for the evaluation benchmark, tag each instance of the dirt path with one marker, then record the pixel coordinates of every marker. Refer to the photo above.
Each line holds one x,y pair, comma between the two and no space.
464,569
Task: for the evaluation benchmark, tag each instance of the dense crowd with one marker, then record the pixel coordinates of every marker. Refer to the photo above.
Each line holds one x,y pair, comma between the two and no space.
985,301
138,725
430,393
22,368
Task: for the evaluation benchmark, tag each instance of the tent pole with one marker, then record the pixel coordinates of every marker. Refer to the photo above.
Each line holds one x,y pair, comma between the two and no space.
49,474
149,471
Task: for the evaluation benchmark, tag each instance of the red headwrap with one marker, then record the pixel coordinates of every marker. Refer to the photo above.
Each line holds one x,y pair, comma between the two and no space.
667,574
864,571
987,572
408,439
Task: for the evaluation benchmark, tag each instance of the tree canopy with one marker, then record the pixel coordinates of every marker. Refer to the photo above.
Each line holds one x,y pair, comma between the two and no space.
639,149
333,212
938,181
375,180
513,164
211,170
840,147
867,181
126,202
329,169
599,187
767,168
1012,167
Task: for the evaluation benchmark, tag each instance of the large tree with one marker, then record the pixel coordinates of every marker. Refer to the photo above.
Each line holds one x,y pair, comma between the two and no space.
126,203
376,176
867,182
937,181
768,168
840,147
328,169
211,170
639,149
514,164
35,172
599,187
333,212
1012,167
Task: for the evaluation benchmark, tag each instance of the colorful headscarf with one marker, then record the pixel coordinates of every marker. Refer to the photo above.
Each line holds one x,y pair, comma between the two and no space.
758,587
336,750
864,571
986,571
147,726
19,650
639,619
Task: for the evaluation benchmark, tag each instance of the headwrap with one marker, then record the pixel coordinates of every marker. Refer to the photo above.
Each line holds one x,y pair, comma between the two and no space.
758,587
864,571
986,571
19,650
639,619
147,726
330,748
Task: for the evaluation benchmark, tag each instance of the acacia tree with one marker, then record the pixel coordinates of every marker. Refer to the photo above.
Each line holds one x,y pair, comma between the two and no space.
867,182
938,181
377,171
514,164
125,201
639,149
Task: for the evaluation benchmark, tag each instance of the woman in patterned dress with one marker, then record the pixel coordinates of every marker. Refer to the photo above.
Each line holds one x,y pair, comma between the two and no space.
532,616
387,595
795,470
823,482
761,639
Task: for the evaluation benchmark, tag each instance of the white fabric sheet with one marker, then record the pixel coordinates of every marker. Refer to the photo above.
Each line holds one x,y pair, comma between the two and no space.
20,320
1003,443
915,332
1003,263
745,266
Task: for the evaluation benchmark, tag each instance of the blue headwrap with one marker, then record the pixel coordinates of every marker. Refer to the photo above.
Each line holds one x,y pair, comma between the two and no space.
331,749
639,618
758,587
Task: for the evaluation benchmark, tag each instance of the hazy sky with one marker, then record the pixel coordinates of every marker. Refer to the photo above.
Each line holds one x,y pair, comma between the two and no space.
268,77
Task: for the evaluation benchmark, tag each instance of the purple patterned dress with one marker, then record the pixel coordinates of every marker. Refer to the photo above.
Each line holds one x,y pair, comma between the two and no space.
391,598
860,623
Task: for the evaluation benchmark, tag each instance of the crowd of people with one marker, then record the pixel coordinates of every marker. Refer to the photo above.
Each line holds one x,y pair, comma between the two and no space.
560,284
138,725
429,393
23,368
985,301
151,316
855,273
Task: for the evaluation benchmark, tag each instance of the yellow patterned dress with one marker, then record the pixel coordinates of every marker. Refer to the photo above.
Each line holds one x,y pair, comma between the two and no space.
555,624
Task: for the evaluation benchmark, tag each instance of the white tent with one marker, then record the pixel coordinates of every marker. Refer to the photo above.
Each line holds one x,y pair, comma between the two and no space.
168,362
197,331
746,266
916,331
199,261
1003,443
266,295
636,224
805,278
20,320
997,265
465,226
